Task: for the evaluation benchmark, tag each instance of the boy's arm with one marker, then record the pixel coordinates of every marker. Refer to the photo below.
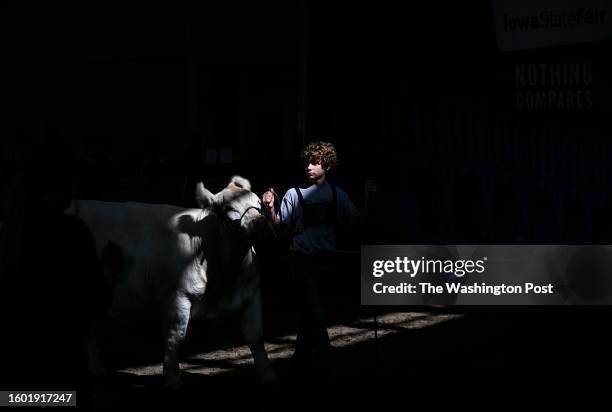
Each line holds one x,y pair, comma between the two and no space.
280,229
267,199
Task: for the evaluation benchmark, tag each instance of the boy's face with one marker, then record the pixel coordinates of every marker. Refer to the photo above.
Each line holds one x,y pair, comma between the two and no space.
314,170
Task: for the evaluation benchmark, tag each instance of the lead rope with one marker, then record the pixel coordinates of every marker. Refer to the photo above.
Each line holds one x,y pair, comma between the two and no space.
280,213
376,346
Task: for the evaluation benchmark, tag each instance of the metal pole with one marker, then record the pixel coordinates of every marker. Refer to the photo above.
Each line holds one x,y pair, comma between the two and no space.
304,67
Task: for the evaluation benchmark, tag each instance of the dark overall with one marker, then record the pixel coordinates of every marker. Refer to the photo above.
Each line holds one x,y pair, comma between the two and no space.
309,274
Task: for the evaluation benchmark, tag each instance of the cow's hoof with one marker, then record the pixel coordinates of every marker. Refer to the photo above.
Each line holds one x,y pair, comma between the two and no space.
100,374
174,384
272,384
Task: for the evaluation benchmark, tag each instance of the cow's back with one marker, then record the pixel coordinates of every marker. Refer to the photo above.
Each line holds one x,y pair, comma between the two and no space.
154,250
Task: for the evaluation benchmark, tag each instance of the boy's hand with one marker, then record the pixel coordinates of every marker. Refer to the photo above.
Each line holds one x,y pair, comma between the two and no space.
268,199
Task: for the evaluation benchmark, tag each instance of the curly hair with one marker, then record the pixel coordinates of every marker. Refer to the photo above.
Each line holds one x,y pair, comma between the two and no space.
320,152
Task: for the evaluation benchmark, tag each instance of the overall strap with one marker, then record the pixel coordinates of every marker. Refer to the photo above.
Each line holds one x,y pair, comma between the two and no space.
334,203
302,205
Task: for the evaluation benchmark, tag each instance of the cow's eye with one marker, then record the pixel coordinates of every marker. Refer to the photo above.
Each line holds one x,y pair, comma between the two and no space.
230,210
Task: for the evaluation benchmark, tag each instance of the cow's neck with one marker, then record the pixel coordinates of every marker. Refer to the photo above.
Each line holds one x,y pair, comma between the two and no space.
235,246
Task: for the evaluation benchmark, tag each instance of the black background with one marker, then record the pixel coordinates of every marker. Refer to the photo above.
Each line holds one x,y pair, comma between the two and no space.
416,96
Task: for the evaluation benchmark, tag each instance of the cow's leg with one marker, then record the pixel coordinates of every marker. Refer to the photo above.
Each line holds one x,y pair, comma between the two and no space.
94,363
252,329
175,320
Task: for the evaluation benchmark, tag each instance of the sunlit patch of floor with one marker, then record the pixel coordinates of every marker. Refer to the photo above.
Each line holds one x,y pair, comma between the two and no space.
342,336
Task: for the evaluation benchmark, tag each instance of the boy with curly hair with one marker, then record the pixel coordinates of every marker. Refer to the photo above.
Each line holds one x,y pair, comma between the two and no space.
309,216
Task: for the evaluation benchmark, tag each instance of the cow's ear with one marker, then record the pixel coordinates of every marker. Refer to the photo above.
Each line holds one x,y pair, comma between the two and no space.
204,197
240,182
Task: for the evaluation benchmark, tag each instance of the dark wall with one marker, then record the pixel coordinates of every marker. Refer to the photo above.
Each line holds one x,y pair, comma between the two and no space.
422,98
417,96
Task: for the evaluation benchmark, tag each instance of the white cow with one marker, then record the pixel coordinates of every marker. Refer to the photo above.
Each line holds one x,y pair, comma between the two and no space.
190,263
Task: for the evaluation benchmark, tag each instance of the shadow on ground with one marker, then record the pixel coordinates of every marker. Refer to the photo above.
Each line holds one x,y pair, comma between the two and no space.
406,346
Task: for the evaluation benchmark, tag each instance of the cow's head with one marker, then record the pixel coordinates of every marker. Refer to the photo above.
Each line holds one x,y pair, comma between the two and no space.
237,205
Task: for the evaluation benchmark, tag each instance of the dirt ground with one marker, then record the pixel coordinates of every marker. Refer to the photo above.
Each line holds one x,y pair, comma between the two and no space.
434,347
410,348
366,350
